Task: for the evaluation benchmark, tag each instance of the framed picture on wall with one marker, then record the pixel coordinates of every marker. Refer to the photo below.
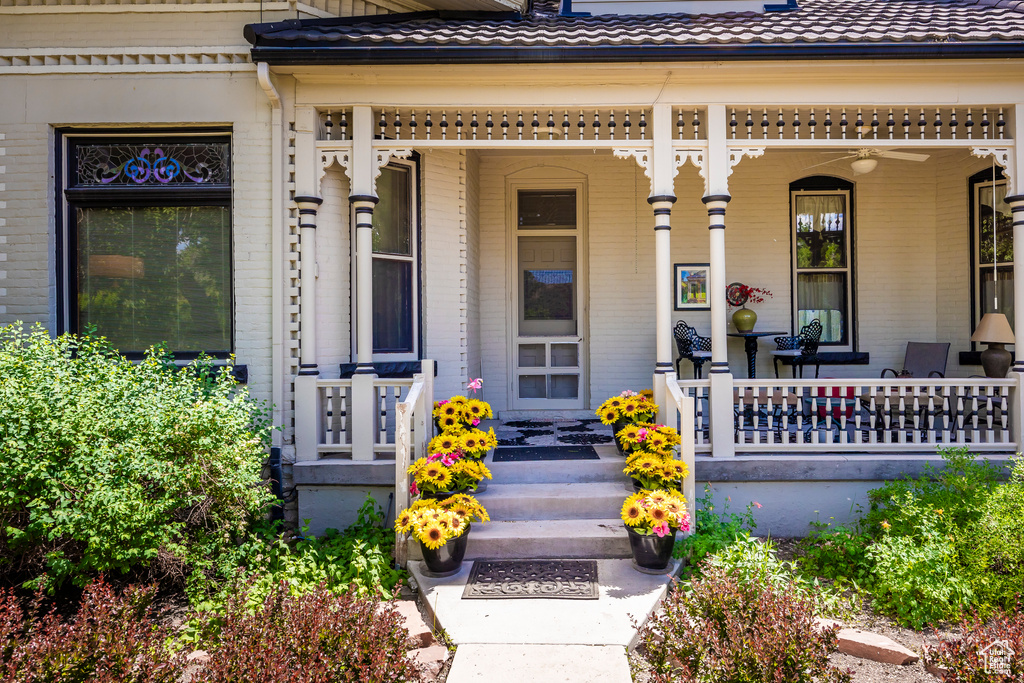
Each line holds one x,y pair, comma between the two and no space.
691,286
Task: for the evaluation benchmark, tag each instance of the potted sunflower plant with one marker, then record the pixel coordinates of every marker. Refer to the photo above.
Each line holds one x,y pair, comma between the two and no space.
652,519
651,470
628,408
442,529
440,476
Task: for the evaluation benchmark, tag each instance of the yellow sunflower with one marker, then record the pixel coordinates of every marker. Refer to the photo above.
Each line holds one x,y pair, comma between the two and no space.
630,407
443,477
444,443
632,513
404,522
450,423
451,409
470,441
432,535
656,497
609,416
658,514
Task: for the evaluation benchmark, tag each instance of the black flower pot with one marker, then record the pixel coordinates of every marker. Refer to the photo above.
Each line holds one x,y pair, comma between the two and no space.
447,559
651,552
619,425
637,486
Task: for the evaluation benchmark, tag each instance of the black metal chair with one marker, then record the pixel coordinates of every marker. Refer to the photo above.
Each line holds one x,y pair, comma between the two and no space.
923,359
802,345
692,347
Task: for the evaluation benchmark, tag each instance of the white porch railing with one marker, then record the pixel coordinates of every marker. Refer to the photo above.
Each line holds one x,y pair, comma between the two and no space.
414,427
350,417
680,408
858,415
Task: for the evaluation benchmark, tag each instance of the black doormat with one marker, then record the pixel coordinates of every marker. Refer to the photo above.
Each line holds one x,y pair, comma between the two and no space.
559,579
527,453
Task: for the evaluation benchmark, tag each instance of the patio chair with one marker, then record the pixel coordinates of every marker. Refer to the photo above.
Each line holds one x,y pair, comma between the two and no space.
804,344
692,347
923,359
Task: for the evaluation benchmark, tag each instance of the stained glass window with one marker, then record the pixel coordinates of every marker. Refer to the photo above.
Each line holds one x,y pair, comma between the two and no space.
153,163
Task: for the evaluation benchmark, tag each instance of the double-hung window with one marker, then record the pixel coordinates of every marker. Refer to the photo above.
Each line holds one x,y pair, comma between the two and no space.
991,246
145,256
822,257
396,265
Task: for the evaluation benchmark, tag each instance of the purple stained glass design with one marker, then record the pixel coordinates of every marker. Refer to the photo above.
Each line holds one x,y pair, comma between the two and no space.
161,165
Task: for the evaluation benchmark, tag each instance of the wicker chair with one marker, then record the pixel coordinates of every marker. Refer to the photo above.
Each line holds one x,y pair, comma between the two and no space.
692,347
802,345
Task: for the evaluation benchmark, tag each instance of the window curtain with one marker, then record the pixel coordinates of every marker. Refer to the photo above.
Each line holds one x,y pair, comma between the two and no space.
820,213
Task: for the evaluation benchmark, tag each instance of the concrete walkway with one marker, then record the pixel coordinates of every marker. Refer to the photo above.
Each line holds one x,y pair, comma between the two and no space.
546,640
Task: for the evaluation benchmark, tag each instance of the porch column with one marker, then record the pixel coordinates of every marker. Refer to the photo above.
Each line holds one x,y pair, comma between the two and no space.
363,196
716,228
308,206
662,205
1016,203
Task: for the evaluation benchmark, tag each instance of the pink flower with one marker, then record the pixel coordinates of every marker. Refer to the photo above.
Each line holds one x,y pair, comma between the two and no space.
758,505
661,529
442,402
641,434
684,522
448,460
414,490
476,421
475,384
433,457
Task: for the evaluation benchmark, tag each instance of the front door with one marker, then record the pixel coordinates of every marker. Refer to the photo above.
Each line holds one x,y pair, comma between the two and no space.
548,342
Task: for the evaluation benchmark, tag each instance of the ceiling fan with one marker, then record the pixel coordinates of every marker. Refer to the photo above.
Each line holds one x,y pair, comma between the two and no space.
864,161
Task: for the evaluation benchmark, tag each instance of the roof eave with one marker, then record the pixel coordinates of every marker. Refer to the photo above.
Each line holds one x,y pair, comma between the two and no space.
314,55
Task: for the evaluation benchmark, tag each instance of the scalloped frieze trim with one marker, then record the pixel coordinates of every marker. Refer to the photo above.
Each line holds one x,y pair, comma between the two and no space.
81,60
1003,156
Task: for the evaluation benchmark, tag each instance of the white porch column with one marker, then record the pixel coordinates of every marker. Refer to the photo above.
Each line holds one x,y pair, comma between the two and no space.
308,206
1016,203
663,196
716,198
363,196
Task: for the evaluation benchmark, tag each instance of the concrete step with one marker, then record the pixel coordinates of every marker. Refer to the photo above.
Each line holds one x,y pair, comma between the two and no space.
555,538
596,500
607,469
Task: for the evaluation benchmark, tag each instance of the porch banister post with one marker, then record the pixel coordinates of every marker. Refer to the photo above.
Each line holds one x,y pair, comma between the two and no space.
716,290
1016,203
363,196
662,205
308,206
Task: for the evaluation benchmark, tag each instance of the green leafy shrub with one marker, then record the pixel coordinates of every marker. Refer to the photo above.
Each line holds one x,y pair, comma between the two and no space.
993,546
115,466
727,628
750,559
711,531
964,659
916,576
360,559
318,637
111,639
836,552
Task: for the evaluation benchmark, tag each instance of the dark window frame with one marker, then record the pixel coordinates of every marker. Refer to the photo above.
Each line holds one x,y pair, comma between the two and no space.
974,237
68,197
825,184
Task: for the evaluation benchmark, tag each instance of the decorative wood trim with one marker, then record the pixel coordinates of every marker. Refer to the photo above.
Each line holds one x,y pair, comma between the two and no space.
644,157
137,59
1002,155
736,154
383,156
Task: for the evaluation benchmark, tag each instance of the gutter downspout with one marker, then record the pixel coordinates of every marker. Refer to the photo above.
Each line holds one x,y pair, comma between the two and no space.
276,251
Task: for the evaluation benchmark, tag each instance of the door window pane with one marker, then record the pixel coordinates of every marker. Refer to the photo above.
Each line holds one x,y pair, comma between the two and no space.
565,386
547,209
821,231
392,218
565,355
532,356
533,386
547,295
150,275
392,306
822,296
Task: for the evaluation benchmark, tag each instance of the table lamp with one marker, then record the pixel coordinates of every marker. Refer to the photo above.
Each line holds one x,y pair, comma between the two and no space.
994,330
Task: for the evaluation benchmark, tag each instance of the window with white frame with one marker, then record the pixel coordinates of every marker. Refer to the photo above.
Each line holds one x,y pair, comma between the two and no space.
991,246
823,257
144,254
396,264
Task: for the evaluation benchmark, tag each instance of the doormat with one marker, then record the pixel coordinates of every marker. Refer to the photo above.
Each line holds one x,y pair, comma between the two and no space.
527,453
555,579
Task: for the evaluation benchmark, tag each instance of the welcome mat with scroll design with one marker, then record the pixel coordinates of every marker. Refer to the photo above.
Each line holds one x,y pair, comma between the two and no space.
561,579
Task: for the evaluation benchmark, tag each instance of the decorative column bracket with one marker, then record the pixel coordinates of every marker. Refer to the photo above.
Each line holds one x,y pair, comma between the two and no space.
643,155
342,156
736,155
1003,157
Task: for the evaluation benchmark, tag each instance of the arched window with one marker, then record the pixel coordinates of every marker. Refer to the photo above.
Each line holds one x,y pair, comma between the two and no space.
822,239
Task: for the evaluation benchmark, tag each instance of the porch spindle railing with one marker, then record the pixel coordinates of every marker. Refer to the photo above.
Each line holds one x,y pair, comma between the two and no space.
699,391
873,415
680,409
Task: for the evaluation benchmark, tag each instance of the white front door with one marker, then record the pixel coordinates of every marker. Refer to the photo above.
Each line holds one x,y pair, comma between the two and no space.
548,344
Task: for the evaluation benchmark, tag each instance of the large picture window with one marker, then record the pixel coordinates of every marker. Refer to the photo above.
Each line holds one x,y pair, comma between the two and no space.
396,265
146,258
991,246
822,257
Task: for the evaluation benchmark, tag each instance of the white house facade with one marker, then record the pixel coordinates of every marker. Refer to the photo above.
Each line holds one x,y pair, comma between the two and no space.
376,209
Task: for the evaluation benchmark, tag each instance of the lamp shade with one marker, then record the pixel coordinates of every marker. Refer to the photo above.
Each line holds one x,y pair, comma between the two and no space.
862,166
994,328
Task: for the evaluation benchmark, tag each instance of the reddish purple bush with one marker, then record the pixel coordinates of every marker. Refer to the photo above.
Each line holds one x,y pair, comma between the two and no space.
318,637
111,639
966,659
730,629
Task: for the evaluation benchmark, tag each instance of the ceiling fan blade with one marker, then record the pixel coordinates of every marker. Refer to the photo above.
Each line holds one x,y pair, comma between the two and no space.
830,161
905,156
